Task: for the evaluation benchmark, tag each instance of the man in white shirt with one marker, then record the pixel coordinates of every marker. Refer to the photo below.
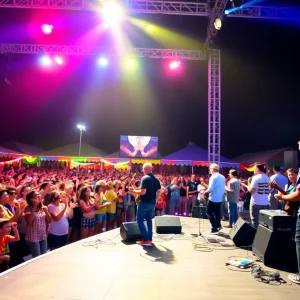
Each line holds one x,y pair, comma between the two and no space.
216,190
259,189
281,181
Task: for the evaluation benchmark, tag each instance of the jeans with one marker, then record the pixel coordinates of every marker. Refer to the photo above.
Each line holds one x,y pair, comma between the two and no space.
145,212
254,213
232,210
213,214
37,248
297,241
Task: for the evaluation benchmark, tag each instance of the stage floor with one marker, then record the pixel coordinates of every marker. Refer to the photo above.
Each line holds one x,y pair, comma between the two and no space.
106,268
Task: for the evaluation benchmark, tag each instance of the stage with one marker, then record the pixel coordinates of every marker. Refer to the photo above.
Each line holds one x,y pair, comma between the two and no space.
103,267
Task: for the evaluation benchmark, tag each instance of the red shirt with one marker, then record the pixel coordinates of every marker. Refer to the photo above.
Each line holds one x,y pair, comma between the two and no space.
161,201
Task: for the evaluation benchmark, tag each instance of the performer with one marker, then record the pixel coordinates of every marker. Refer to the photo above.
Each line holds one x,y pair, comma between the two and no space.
294,195
146,205
216,190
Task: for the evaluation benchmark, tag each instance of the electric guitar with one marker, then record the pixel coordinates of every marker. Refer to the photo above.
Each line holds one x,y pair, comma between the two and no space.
137,197
291,207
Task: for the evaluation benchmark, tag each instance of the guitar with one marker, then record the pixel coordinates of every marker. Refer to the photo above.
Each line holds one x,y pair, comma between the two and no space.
137,197
290,207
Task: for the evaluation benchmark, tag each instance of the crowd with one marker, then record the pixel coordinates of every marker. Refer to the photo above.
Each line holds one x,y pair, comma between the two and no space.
42,210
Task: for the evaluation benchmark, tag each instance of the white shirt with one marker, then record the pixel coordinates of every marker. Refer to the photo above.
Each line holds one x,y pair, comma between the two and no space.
60,227
201,189
260,183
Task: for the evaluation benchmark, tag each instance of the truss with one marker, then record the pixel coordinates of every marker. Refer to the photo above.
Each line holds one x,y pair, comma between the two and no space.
216,8
82,50
154,7
214,106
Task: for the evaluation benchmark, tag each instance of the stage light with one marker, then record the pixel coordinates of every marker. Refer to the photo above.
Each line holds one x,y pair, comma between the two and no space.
81,127
218,23
47,28
113,13
103,62
149,28
58,60
130,63
46,61
174,65
105,25
226,12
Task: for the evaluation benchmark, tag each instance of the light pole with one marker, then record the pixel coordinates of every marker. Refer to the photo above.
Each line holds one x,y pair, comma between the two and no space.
81,128
298,166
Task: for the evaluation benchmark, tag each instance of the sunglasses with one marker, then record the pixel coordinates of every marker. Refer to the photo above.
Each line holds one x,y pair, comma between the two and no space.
12,193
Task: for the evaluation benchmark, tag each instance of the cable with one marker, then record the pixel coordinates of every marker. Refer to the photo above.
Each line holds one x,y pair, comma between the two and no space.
95,243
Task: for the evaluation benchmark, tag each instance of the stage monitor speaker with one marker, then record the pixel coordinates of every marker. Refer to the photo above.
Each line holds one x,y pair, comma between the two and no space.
167,224
242,233
199,212
275,249
130,231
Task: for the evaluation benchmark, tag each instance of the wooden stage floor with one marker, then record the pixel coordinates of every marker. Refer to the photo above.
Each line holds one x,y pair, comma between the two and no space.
106,268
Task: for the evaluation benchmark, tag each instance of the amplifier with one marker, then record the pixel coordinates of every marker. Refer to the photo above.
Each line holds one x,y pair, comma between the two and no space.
199,212
277,220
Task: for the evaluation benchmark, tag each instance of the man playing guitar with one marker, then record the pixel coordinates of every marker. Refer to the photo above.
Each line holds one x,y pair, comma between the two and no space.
294,195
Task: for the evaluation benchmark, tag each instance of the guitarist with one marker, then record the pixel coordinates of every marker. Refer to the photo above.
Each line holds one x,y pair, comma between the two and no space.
294,195
146,205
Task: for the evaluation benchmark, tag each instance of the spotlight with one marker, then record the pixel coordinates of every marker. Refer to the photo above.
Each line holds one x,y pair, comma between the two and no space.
46,61
226,12
218,23
113,13
103,62
130,63
174,65
149,28
47,28
58,60
105,25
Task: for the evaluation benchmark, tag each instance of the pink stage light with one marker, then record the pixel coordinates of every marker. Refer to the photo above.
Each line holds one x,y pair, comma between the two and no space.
174,65
47,28
184,213
58,60
46,61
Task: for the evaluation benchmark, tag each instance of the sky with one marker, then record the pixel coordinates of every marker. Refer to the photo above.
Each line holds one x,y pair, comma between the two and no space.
260,83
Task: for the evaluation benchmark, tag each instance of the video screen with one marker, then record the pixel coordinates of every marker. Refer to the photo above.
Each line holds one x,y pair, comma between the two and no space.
138,146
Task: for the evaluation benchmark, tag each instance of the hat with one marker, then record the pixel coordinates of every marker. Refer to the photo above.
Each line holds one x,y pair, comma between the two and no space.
214,166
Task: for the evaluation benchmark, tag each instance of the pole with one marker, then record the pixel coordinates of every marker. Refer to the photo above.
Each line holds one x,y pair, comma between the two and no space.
79,152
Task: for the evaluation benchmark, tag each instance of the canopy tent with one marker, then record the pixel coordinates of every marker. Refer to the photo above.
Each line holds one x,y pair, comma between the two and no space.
9,152
193,155
23,148
88,153
270,158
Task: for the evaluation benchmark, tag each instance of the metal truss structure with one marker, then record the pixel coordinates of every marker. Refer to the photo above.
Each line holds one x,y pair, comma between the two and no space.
154,7
83,50
212,9
214,106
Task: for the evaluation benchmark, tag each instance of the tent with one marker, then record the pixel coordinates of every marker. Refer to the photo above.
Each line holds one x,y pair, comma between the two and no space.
70,153
270,158
23,148
8,152
193,155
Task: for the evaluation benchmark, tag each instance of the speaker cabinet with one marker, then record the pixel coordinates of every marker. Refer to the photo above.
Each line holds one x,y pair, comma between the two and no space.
167,224
275,249
242,233
199,212
130,231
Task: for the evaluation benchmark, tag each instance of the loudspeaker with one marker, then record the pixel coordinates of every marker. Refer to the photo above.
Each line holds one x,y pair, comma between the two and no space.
242,233
199,212
167,224
130,231
275,249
